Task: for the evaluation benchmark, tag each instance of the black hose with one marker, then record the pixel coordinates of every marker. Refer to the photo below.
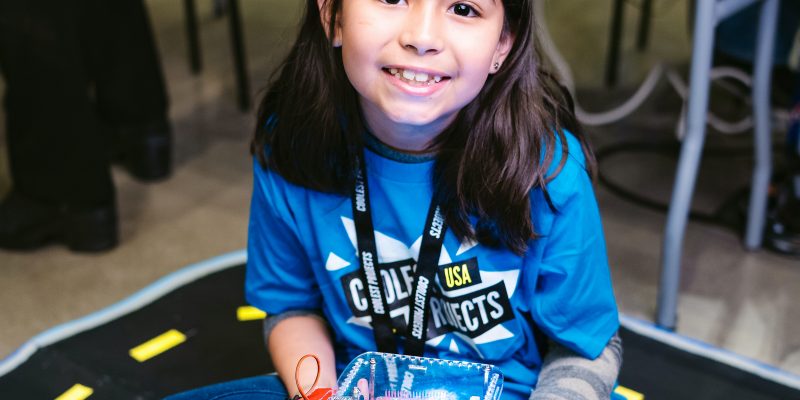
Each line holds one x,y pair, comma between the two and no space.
729,214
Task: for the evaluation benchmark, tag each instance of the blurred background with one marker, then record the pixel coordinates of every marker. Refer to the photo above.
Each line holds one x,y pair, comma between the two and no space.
745,302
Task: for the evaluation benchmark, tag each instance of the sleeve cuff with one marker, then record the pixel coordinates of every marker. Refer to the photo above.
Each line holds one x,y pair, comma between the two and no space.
272,320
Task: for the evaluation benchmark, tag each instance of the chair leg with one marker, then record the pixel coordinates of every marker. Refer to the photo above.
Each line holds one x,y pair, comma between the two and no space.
688,164
242,82
190,11
615,36
220,8
756,215
644,25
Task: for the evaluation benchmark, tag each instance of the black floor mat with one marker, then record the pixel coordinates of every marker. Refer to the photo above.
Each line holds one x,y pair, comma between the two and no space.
663,372
219,347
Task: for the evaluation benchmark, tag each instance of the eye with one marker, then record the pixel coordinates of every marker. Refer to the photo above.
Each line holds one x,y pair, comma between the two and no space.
464,10
393,2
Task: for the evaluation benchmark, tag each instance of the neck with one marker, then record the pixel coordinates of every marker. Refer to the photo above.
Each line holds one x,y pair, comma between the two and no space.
406,138
409,139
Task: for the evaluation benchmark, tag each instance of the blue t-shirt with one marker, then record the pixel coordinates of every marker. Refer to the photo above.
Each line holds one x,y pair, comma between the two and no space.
486,303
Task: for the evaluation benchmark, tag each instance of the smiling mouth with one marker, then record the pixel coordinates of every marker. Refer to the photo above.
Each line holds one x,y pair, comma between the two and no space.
415,78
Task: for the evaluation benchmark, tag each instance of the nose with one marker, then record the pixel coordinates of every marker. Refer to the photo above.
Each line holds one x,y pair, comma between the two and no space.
422,31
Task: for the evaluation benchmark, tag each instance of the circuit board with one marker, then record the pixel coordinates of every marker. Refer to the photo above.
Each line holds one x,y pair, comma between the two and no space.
383,376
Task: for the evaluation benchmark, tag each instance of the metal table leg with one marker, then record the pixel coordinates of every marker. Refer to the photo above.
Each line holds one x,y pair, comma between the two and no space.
242,82
688,164
762,83
614,39
707,16
191,34
644,25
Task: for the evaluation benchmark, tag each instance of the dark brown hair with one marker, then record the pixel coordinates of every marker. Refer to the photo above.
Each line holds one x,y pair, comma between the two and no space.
499,148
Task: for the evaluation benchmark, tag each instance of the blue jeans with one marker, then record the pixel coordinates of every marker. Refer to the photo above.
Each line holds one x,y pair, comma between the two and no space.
266,387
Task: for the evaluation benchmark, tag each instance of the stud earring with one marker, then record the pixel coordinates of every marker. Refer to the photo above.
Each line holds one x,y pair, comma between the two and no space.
496,66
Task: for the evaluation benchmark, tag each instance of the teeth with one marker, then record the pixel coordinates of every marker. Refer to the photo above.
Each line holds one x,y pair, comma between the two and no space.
420,77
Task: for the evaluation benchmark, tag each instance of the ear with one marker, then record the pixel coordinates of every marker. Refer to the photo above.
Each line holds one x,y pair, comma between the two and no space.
325,16
500,54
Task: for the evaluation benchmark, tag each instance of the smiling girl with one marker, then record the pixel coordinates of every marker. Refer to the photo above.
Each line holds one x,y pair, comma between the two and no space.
422,187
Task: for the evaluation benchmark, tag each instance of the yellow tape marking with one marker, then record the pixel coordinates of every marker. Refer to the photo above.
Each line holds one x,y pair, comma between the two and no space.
249,313
76,392
157,345
628,393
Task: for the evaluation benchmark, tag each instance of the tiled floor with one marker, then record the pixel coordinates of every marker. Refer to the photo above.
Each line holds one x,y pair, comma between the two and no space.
744,302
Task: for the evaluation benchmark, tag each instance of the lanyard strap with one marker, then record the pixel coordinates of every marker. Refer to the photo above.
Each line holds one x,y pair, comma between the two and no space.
368,258
429,253
428,260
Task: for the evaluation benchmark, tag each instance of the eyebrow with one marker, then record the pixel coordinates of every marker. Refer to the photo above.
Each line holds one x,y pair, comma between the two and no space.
493,2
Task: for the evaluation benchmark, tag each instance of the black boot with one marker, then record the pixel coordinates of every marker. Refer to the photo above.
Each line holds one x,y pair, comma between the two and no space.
145,150
26,225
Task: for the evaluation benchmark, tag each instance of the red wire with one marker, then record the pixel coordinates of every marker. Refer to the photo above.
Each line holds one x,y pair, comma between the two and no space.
297,375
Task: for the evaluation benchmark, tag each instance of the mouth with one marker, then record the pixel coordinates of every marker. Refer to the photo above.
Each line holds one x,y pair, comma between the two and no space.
415,77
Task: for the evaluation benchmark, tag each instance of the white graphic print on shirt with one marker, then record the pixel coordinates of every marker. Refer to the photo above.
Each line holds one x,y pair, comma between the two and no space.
466,302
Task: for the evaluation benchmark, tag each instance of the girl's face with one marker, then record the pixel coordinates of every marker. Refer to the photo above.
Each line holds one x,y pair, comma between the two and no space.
416,63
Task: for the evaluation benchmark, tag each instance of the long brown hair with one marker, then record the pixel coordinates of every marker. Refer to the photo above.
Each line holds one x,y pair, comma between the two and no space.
499,148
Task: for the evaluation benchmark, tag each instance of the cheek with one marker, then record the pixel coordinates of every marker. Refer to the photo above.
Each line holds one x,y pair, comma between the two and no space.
473,77
475,68
471,87
475,47
358,68
359,54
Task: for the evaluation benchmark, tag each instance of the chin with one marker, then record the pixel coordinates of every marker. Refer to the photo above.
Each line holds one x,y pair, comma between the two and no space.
415,118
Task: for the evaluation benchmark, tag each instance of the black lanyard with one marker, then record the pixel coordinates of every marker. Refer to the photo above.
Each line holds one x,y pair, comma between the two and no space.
427,262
